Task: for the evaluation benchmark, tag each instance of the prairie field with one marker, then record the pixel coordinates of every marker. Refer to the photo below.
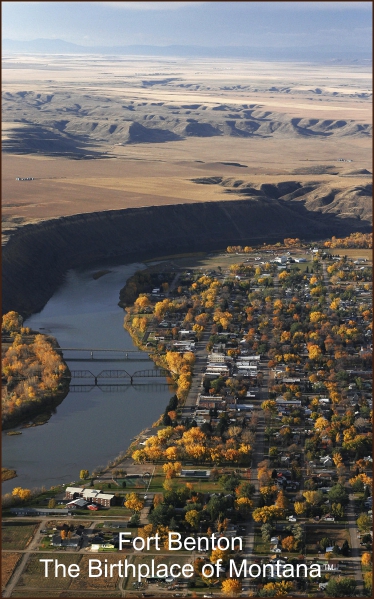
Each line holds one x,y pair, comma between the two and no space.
9,562
99,133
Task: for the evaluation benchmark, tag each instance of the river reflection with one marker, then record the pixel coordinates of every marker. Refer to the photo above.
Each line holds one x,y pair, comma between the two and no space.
89,427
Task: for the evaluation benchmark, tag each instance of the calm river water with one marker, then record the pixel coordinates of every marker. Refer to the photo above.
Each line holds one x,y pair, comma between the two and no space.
90,428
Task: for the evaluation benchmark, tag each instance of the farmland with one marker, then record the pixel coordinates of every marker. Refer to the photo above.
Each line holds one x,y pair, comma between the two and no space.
18,535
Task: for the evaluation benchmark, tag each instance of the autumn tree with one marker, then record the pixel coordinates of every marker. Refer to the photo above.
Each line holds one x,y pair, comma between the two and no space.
133,502
300,507
219,554
281,501
366,559
277,589
267,514
313,497
23,494
288,543
244,505
231,587
12,322
269,405
192,517
139,456
364,523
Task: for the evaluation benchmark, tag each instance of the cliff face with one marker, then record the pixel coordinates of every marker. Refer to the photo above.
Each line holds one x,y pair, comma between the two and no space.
37,255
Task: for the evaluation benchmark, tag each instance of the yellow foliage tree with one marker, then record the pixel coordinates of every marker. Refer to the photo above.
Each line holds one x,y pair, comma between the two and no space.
321,423
142,302
133,502
244,505
172,453
314,351
280,589
231,587
300,507
23,494
366,559
12,322
288,543
281,501
192,517
313,497
267,513
335,303
172,469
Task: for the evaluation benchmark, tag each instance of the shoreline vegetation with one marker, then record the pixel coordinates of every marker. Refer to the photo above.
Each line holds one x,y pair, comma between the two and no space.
7,474
35,377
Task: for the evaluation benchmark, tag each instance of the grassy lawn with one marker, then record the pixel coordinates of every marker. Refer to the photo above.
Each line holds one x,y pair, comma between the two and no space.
17,535
42,499
353,253
9,562
99,584
200,485
33,574
116,510
259,545
336,534
157,481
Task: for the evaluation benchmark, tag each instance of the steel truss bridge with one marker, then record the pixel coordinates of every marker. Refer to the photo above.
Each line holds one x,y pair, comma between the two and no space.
101,379
94,354
148,387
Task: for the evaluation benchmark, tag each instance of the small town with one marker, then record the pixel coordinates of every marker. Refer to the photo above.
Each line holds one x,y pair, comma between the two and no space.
267,436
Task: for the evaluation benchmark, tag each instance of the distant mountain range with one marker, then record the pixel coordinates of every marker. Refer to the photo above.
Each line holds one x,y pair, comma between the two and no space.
57,46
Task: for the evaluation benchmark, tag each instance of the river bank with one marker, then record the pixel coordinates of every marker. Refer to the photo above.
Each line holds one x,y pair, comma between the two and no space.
93,424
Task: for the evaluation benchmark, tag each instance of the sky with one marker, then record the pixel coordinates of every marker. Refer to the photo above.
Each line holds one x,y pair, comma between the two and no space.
327,25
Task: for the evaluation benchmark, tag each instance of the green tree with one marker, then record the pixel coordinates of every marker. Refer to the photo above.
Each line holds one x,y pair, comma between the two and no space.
229,482
325,542
245,490
366,539
298,532
266,532
364,523
337,510
83,474
338,494
161,515
341,587
345,548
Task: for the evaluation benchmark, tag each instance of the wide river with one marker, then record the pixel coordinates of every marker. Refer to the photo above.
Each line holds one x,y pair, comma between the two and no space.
88,428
